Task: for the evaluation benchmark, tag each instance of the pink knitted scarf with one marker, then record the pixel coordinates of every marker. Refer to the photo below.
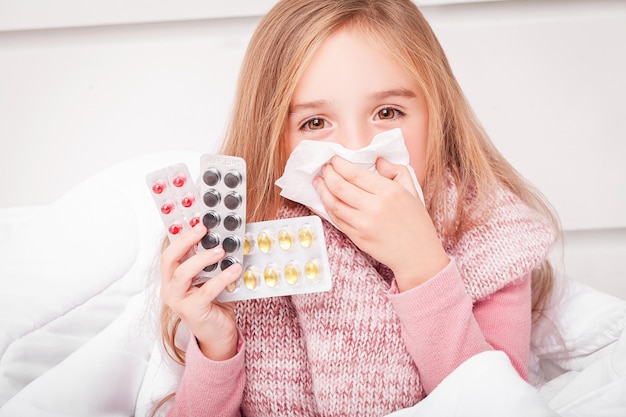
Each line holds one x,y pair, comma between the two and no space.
341,353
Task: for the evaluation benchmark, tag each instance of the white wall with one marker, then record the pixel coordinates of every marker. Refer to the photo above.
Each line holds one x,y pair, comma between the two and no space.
77,100
83,87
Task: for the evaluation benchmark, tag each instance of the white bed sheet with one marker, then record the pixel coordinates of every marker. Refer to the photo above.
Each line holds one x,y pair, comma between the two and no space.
78,320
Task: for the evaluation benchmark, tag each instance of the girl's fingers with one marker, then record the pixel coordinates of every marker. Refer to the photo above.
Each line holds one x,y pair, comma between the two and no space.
396,173
348,189
174,254
336,209
342,187
387,169
358,177
211,289
370,181
180,282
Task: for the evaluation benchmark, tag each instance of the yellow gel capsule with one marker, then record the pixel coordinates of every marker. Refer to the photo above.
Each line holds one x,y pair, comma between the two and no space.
285,239
232,286
248,244
270,275
264,241
250,279
312,270
305,236
292,273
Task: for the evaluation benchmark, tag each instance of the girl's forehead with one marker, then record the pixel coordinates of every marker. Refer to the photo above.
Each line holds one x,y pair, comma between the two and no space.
347,59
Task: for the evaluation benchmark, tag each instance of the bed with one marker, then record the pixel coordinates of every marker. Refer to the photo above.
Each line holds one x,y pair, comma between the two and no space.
78,304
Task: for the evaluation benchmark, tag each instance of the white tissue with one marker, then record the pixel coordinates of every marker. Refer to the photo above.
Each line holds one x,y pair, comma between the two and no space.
307,159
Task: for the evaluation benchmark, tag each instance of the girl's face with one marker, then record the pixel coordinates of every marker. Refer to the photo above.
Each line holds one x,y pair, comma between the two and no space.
350,92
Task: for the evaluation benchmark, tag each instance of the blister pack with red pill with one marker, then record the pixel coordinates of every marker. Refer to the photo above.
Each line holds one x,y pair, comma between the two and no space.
176,196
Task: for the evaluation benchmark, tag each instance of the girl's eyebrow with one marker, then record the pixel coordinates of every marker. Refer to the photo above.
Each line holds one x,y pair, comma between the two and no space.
379,95
396,92
311,105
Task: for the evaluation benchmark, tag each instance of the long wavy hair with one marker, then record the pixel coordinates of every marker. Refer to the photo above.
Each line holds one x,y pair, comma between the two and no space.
457,145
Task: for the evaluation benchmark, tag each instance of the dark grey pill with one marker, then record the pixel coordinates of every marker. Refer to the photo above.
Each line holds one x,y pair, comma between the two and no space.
211,177
228,261
212,198
232,222
211,219
231,244
232,200
232,179
210,240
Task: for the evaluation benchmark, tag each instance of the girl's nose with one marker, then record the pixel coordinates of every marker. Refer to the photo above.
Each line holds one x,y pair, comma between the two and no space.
356,137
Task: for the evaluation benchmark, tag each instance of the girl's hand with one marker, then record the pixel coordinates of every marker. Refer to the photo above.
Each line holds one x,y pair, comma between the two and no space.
211,322
383,215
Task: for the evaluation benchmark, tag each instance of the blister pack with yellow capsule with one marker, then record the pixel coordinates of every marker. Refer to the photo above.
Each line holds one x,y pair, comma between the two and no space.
282,257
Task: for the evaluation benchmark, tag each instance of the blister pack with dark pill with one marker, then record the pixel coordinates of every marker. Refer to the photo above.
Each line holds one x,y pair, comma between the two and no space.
176,197
282,257
222,188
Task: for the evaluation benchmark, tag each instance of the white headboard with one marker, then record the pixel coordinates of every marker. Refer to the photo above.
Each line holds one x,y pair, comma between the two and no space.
84,87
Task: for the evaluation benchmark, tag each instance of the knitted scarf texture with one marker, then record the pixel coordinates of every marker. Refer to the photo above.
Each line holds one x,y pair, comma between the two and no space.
341,353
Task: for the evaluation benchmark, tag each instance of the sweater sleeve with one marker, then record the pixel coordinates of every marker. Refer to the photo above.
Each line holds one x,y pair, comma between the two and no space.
442,328
210,388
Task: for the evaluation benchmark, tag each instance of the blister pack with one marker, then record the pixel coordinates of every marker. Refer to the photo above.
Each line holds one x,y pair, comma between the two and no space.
176,196
223,197
278,257
282,257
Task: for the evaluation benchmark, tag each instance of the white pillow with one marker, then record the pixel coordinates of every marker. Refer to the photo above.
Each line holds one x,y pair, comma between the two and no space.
68,268
580,328
55,259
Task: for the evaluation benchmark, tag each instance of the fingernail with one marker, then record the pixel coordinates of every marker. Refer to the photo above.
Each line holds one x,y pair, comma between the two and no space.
234,269
218,249
199,229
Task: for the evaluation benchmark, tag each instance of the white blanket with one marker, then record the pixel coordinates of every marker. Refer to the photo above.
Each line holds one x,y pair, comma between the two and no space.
106,376
79,338
120,372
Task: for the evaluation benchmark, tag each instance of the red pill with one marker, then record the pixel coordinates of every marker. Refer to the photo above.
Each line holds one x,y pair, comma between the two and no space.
167,207
179,180
188,200
158,186
175,228
194,221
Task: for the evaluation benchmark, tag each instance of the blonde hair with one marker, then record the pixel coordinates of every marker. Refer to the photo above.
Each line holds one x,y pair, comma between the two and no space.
457,146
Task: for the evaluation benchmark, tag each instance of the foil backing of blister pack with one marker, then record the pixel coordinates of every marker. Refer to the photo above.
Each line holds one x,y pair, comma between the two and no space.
282,257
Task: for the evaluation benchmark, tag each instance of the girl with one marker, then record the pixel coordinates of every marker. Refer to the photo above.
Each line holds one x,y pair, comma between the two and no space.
418,288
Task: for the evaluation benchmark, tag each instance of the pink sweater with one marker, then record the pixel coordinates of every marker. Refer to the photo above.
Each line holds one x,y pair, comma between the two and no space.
365,349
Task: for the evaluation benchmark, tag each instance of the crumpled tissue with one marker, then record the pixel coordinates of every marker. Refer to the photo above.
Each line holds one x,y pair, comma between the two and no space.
308,158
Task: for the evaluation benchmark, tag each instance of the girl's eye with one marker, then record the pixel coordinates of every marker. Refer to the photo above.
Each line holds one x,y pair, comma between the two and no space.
314,124
387,113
